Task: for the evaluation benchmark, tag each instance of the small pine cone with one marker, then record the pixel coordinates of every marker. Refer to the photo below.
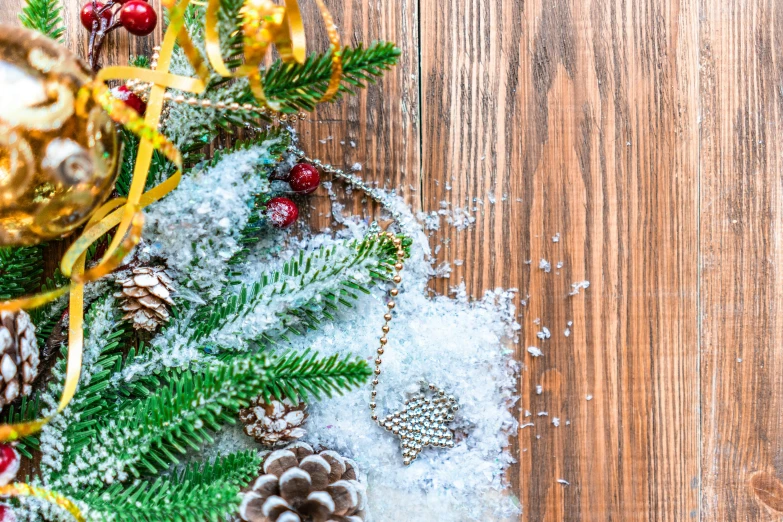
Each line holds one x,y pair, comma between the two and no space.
19,356
299,485
275,423
146,297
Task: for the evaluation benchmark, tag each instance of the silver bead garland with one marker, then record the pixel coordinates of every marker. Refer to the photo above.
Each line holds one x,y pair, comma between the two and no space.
423,421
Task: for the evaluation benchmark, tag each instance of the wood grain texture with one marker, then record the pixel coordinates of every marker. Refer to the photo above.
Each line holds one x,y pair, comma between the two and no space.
644,133
580,118
741,259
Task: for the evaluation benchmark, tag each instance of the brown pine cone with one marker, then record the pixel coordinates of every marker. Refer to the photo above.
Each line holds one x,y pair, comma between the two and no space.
19,355
275,423
299,485
146,297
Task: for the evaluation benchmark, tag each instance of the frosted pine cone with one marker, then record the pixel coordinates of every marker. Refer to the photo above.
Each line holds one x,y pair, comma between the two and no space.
299,485
274,423
19,355
146,295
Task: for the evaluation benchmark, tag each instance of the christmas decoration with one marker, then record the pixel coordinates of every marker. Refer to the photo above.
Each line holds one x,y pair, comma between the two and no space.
135,16
275,422
9,464
89,14
130,98
304,178
6,514
138,17
300,484
146,297
152,412
18,355
281,212
59,164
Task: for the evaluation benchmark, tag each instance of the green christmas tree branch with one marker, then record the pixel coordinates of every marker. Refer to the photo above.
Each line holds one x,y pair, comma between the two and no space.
44,16
301,86
330,277
202,491
149,435
300,375
20,271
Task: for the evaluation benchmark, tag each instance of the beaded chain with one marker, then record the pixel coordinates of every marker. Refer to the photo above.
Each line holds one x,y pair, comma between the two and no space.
423,420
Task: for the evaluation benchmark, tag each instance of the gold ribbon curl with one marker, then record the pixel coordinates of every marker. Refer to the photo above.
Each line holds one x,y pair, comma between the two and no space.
264,24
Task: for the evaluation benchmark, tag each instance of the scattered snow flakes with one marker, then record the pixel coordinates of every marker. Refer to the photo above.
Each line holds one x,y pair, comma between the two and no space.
356,167
559,264
589,397
567,332
528,261
538,437
556,238
570,323
539,389
544,333
563,482
556,421
527,425
739,359
568,423
537,320
543,414
545,266
527,413
576,286
353,144
459,262
534,351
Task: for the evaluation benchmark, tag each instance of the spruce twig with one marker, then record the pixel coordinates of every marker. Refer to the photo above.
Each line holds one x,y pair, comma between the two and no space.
44,16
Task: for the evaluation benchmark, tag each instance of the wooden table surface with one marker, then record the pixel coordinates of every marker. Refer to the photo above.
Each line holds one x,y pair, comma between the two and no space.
645,134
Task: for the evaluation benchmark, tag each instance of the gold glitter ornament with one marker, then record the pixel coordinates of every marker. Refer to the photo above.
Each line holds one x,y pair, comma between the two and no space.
58,162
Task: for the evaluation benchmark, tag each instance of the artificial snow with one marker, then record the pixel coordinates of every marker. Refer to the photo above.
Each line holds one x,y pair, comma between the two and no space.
197,227
576,286
534,351
463,346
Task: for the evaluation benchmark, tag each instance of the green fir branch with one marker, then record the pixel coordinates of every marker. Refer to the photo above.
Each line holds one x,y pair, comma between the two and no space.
20,271
329,269
202,491
44,16
28,409
149,435
301,375
301,86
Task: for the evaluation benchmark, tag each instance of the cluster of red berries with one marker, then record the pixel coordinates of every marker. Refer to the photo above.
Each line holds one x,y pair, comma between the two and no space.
136,16
303,179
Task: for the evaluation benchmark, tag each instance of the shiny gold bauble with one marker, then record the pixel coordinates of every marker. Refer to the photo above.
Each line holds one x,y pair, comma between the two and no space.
57,164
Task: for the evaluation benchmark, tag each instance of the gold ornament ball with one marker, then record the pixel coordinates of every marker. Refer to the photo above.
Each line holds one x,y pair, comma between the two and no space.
57,164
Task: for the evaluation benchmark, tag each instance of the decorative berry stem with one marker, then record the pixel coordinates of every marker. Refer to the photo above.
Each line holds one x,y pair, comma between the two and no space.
137,16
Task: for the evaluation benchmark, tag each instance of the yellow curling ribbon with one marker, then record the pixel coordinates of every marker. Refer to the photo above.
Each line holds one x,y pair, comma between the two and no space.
25,490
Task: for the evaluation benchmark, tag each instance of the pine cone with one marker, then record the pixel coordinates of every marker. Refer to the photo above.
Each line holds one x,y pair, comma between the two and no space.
299,485
19,355
146,294
274,423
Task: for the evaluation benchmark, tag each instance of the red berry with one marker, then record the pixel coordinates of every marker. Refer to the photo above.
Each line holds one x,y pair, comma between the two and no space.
87,14
130,98
9,464
282,212
304,178
138,17
6,514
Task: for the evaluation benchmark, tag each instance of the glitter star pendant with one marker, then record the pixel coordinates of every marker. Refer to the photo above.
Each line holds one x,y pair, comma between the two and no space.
422,422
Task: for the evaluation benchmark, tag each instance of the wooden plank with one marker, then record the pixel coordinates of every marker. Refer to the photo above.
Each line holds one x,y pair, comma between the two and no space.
741,255
580,118
377,130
